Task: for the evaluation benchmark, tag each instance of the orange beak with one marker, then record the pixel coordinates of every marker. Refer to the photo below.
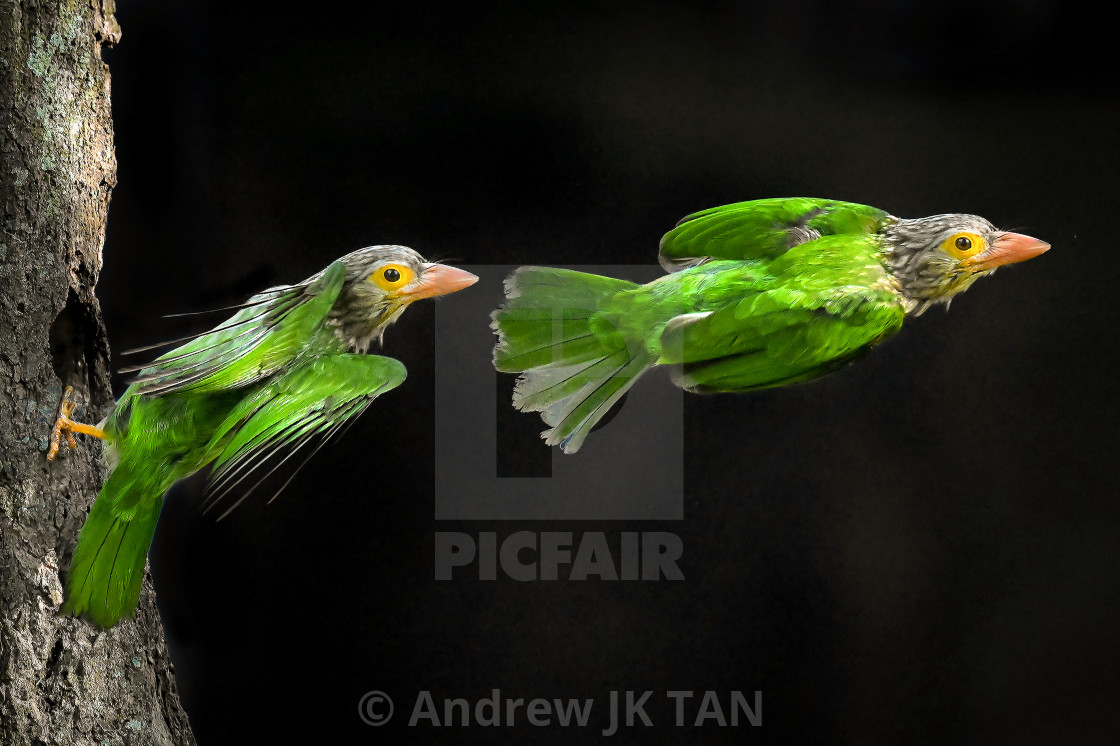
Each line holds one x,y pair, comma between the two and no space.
440,279
1008,248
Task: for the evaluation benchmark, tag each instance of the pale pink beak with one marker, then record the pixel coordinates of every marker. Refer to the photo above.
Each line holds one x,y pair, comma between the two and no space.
1008,248
440,279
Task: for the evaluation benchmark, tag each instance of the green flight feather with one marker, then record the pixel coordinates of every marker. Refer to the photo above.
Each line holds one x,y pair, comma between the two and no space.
314,399
762,229
257,341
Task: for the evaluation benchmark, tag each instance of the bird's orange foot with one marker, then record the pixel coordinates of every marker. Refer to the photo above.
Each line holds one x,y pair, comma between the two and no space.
66,426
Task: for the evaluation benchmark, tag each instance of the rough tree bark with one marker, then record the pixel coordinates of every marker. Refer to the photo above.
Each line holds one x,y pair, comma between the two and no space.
62,680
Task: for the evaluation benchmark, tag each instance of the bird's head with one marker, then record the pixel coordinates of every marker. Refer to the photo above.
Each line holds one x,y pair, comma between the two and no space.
937,257
381,281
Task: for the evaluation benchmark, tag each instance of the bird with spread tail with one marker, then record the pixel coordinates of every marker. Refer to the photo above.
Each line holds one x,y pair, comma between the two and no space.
759,294
288,368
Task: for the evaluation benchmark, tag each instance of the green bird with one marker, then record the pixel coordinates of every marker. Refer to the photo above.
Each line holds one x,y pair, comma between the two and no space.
760,294
288,366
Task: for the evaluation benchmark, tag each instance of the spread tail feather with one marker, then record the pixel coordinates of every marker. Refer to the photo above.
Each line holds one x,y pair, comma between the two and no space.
574,365
108,565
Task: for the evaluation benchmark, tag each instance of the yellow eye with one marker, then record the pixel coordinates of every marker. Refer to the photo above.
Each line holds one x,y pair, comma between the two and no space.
392,276
963,245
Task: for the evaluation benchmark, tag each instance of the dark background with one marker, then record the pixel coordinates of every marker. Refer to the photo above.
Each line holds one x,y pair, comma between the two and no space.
922,548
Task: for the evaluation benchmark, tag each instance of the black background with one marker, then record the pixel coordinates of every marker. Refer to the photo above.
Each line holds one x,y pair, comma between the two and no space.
922,547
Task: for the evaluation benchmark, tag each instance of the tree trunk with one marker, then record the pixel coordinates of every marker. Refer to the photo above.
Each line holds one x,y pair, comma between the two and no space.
62,680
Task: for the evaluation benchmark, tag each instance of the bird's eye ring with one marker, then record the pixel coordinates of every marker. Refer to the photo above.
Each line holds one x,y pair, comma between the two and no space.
390,277
963,245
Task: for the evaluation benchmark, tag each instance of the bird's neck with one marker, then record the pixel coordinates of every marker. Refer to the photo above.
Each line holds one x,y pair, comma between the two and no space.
357,333
921,282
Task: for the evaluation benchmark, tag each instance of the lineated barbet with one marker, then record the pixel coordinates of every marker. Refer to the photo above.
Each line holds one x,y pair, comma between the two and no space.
760,294
287,369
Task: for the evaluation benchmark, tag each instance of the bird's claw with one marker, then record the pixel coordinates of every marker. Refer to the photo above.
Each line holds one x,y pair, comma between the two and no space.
61,424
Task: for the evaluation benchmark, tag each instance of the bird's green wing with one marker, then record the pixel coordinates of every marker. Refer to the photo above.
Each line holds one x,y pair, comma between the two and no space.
803,321
261,338
316,398
761,229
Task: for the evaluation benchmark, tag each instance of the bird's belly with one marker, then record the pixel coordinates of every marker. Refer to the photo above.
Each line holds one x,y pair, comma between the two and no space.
173,432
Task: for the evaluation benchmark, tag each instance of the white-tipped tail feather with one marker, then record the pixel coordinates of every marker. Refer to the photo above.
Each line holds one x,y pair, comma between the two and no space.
574,365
